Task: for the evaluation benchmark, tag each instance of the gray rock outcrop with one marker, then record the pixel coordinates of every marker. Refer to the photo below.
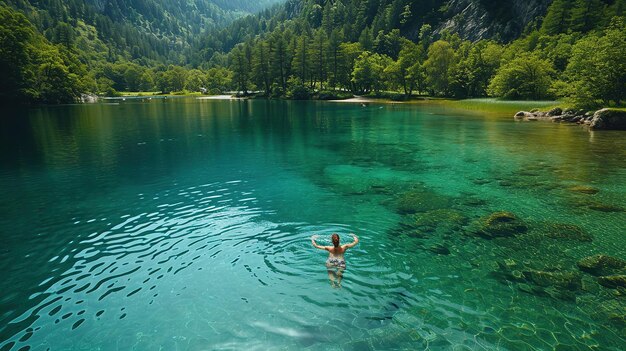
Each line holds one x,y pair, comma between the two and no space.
605,119
608,119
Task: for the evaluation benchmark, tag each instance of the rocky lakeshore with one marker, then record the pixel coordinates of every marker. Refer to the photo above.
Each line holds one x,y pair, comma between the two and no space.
604,119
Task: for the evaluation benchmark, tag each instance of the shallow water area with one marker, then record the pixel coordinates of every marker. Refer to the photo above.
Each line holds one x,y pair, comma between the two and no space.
185,224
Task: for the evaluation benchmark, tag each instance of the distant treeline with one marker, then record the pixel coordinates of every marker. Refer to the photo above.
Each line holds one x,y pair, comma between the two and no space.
577,52
313,47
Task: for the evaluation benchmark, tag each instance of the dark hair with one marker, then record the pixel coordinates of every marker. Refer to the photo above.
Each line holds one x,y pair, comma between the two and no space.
335,239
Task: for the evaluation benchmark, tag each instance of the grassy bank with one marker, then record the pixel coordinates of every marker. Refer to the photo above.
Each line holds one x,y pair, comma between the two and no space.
489,106
495,106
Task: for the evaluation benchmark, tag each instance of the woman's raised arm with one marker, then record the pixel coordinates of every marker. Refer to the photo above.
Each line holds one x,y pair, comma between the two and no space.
352,244
313,237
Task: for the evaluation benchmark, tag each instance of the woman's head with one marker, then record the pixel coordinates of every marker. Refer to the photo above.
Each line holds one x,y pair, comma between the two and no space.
335,239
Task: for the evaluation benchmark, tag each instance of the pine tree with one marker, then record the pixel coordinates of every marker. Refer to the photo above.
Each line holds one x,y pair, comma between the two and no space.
348,53
618,8
240,67
261,68
586,14
334,43
367,39
405,16
558,17
301,61
279,60
319,57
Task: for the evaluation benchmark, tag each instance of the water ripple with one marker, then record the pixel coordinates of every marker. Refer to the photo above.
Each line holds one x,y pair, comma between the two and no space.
127,258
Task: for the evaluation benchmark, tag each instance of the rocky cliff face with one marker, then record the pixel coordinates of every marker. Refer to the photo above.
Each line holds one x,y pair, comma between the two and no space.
479,19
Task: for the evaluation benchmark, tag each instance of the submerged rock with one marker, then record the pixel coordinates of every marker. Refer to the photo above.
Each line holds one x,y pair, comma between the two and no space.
614,310
601,207
567,232
481,181
439,249
565,280
501,224
586,203
602,265
438,218
608,119
431,223
420,200
562,285
613,281
584,189
356,180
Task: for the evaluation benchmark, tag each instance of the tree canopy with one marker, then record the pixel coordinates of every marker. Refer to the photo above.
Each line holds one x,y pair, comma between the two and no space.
55,52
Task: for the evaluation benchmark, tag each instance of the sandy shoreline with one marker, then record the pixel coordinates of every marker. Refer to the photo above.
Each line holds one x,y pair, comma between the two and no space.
363,100
218,97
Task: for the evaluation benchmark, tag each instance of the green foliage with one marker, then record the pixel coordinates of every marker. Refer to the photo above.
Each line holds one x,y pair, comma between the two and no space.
261,68
195,80
333,95
34,70
155,30
298,91
368,74
405,73
240,65
380,47
526,77
558,18
586,14
218,80
16,36
439,67
301,63
348,53
579,15
596,73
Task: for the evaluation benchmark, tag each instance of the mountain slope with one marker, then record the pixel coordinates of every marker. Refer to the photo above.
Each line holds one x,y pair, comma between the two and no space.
134,29
471,19
504,19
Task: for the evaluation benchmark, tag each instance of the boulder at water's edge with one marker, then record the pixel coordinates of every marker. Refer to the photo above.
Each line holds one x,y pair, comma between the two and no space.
609,119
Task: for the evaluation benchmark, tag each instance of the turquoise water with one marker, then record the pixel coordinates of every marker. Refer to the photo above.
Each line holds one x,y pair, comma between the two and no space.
184,224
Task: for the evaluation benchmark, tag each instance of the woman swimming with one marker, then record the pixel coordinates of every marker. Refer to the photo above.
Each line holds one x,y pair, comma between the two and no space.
336,260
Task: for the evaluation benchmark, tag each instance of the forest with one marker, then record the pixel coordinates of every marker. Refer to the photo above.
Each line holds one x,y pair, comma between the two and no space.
310,49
